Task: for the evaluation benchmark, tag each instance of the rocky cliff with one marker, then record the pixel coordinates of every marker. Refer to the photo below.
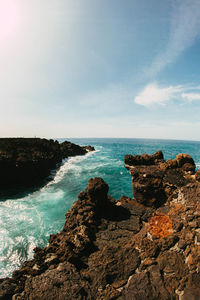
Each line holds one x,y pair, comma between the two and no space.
147,247
27,162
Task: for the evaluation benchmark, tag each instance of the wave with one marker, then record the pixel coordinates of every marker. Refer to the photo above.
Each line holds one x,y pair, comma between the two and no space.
67,165
198,165
28,221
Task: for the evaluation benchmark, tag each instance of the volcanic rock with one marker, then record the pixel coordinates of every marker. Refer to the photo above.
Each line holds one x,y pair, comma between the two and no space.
127,249
28,162
155,179
89,148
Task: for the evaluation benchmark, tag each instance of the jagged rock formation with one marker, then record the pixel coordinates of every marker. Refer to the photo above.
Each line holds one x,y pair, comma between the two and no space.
154,179
142,248
27,162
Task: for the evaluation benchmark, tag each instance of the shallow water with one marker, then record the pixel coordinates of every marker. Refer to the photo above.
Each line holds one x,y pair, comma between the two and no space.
27,222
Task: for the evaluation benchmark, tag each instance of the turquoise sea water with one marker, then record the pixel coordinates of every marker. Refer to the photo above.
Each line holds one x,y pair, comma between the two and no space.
26,222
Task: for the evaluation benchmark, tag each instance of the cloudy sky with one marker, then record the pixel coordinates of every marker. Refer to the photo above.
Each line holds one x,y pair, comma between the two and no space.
100,68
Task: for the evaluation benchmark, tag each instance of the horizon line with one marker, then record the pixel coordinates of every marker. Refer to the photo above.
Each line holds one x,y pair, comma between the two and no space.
136,138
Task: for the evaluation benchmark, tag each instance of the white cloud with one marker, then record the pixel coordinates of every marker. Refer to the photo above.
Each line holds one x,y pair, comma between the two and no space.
153,94
184,30
191,96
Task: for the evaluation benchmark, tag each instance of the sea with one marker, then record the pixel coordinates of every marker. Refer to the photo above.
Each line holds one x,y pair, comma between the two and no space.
27,220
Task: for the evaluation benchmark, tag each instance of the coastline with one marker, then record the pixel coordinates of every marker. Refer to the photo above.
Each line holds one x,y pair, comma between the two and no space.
28,162
113,249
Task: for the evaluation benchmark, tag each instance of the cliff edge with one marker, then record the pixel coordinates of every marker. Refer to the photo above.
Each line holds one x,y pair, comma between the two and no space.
27,162
147,247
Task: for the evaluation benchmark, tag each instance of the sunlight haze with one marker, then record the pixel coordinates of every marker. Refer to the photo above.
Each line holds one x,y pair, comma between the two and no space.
98,68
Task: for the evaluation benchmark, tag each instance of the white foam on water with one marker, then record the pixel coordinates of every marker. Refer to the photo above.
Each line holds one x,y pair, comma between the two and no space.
67,165
24,224
27,222
198,165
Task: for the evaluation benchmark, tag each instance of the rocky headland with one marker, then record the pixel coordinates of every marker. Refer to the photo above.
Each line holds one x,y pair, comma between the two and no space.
28,162
146,247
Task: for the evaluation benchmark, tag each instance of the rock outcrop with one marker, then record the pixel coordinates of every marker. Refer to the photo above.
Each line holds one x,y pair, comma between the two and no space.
27,162
147,247
154,180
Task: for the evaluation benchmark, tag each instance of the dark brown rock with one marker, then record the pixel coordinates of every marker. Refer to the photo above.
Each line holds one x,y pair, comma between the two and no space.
146,285
70,149
147,185
111,265
192,290
88,148
197,175
7,288
28,162
172,263
183,159
155,180
97,190
60,283
191,294
143,159
142,248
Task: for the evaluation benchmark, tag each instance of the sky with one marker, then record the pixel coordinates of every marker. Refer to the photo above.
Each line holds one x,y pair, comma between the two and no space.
100,68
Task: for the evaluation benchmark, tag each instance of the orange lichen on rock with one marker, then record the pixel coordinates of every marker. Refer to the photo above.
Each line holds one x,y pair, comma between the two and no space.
160,225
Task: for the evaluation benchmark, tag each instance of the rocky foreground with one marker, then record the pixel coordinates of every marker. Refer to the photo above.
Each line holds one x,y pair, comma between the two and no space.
135,249
27,162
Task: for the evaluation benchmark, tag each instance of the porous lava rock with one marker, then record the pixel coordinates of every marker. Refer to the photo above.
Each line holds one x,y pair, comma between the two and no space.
144,159
89,148
28,162
121,249
154,178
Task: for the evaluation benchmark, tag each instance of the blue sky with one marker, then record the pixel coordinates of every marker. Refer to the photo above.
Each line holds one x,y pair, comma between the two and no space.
100,68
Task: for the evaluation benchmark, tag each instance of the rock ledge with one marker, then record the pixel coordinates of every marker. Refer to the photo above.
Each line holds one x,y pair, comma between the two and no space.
147,247
27,162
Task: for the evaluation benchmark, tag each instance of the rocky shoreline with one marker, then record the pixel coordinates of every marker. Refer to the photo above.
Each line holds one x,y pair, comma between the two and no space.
146,247
28,162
